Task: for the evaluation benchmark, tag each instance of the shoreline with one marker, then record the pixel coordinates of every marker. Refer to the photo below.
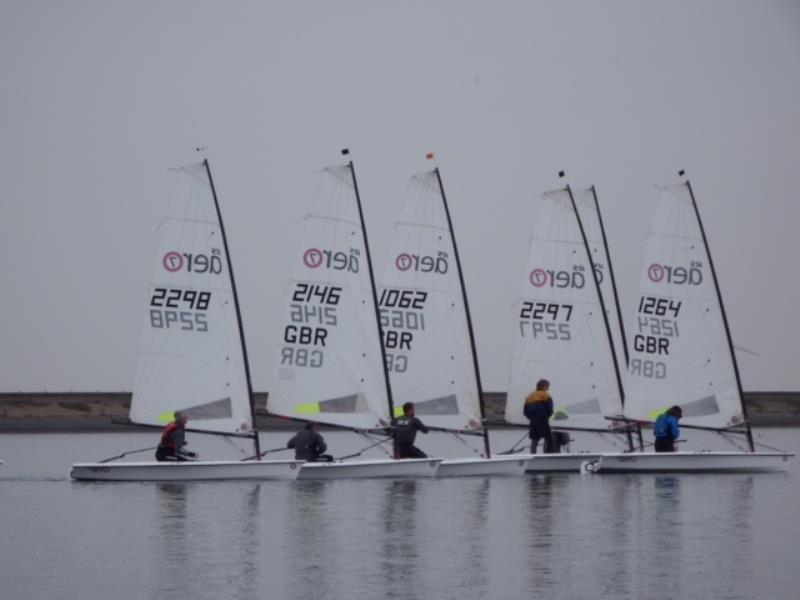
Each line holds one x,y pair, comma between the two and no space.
47,412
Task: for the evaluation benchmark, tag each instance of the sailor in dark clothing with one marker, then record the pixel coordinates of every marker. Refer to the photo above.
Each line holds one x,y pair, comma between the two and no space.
666,429
308,445
538,409
173,439
405,432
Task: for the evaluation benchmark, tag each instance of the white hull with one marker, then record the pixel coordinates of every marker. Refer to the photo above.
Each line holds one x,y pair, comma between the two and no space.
553,463
688,462
187,471
370,469
508,466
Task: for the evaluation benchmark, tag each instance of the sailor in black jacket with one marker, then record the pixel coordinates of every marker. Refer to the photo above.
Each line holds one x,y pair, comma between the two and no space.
309,445
405,432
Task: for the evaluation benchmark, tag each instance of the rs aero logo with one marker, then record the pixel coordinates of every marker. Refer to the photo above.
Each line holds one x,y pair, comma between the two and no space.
559,279
693,275
422,263
329,259
193,263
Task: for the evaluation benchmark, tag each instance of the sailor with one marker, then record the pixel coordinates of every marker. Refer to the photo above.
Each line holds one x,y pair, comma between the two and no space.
538,409
666,429
173,439
309,445
405,432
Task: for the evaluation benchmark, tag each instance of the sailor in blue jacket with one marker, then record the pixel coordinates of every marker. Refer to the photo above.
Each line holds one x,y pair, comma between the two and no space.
666,429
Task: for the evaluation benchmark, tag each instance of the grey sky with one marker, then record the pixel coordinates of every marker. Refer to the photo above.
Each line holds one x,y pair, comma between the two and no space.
100,98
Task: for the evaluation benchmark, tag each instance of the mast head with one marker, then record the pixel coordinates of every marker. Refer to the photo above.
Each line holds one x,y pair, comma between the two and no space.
561,174
345,151
682,172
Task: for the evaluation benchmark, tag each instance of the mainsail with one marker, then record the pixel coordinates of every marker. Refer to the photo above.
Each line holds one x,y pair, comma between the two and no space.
329,357
192,356
680,351
560,331
423,315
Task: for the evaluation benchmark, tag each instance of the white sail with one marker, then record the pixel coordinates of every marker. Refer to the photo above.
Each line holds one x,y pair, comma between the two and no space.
329,356
679,347
560,334
191,354
585,200
428,350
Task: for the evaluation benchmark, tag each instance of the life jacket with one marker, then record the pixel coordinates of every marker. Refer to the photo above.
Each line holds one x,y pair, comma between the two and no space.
167,441
666,426
308,445
405,430
538,404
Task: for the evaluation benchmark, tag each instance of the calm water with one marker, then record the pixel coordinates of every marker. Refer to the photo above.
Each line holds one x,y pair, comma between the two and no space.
558,536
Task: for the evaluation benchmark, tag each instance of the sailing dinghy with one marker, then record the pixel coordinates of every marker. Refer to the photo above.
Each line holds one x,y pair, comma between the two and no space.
563,333
330,358
430,345
193,356
682,352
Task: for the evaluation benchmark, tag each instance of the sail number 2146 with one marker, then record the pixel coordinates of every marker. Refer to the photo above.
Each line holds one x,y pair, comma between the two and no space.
312,313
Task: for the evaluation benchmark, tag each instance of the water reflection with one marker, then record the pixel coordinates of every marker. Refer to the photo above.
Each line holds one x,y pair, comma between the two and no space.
666,540
172,544
723,523
667,513
203,528
542,522
249,535
666,546
613,520
399,555
473,572
311,539
734,537
434,537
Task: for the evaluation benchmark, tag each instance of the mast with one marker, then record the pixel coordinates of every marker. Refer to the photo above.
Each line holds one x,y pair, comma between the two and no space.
619,308
374,298
602,306
256,441
611,274
749,432
467,313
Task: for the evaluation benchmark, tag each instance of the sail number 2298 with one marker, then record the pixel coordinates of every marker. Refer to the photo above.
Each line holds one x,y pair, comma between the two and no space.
179,308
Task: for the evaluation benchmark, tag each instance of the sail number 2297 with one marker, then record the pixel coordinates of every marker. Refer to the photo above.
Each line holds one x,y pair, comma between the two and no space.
541,319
